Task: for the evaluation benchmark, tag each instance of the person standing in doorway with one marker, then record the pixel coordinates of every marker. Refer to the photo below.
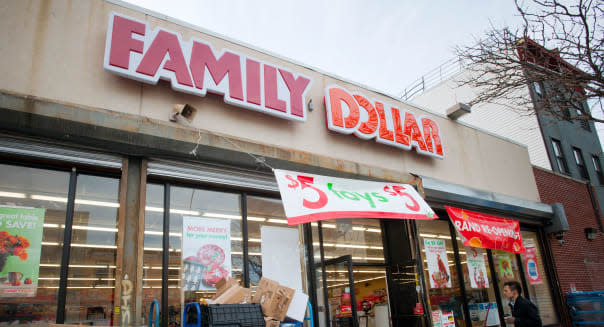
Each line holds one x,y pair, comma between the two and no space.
524,312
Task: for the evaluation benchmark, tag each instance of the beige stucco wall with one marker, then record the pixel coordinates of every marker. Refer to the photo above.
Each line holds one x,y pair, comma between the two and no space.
55,50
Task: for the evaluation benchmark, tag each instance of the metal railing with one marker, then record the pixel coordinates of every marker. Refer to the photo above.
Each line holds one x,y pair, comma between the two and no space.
432,78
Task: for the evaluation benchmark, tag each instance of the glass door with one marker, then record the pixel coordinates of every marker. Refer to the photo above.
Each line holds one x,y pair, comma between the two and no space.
341,302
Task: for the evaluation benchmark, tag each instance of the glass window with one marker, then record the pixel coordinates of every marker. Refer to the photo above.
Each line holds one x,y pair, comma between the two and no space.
152,254
538,89
560,160
480,292
213,235
442,279
598,168
360,238
35,188
261,214
580,163
537,280
91,279
584,123
506,270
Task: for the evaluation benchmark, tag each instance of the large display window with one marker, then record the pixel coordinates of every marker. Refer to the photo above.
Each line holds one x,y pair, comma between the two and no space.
485,272
92,261
265,223
42,282
538,288
440,272
478,281
214,234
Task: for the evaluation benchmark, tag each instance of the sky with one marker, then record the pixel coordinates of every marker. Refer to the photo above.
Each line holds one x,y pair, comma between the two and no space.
384,44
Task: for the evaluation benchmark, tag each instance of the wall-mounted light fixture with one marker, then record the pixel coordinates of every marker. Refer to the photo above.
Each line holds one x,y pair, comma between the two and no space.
591,233
457,110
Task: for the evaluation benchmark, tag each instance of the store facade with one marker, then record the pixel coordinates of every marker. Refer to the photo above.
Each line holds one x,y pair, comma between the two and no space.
86,137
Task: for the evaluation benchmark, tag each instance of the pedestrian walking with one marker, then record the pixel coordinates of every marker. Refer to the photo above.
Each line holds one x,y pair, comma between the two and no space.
524,312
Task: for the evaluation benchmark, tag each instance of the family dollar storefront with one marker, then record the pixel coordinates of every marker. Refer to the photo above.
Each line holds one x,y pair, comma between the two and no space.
139,161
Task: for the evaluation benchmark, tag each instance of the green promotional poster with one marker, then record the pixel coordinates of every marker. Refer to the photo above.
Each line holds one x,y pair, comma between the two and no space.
505,266
20,249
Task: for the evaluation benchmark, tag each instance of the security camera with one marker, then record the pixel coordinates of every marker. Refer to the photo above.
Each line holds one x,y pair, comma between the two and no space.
184,110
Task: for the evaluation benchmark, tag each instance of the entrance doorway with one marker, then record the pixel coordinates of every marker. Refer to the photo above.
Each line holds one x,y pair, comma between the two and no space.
350,273
341,310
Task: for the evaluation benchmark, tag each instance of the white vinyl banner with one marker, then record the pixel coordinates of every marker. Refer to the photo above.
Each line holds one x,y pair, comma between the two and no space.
308,198
206,252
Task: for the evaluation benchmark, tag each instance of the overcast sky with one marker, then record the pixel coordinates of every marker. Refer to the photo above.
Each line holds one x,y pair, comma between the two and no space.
384,44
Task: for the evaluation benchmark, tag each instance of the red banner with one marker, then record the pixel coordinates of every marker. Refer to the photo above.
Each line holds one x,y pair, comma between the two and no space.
485,231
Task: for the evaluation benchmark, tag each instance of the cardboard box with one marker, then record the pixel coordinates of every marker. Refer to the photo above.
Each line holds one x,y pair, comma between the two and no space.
279,303
233,295
270,322
297,307
223,285
265,290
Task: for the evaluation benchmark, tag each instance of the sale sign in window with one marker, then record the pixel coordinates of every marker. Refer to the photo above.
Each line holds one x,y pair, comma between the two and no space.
20,250
308,197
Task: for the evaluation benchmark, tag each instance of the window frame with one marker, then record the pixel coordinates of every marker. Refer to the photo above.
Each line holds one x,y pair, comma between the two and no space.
167,184
580,162
74,170
549,271
595,160
584,123
559,157
538,88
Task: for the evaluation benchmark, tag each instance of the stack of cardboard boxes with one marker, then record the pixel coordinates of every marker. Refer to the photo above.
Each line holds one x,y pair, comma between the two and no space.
278,302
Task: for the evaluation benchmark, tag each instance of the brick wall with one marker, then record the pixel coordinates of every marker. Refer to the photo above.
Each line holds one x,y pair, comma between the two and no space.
578,260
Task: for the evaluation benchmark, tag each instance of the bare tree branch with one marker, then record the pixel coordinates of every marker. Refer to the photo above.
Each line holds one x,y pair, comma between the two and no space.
505,61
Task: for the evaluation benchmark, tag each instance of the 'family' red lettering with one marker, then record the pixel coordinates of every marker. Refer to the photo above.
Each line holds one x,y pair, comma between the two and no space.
135,51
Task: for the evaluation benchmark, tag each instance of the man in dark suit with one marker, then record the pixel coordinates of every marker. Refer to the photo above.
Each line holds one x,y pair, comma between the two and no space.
524,312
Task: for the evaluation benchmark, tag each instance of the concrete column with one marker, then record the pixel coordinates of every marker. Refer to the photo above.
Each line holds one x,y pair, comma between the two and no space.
128,291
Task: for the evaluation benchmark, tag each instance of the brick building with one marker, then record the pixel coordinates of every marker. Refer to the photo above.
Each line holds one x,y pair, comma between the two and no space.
578,261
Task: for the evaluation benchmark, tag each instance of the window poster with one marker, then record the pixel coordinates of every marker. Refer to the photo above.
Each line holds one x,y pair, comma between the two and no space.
504,262
20,250
436,318
206,252
447,318
438,267
484,311
531,266
476,267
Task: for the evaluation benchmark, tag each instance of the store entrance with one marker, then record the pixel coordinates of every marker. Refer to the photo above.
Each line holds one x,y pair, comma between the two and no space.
350,271
341,310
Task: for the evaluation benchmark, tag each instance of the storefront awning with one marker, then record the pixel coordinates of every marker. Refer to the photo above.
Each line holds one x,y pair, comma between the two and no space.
486,231
308,198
